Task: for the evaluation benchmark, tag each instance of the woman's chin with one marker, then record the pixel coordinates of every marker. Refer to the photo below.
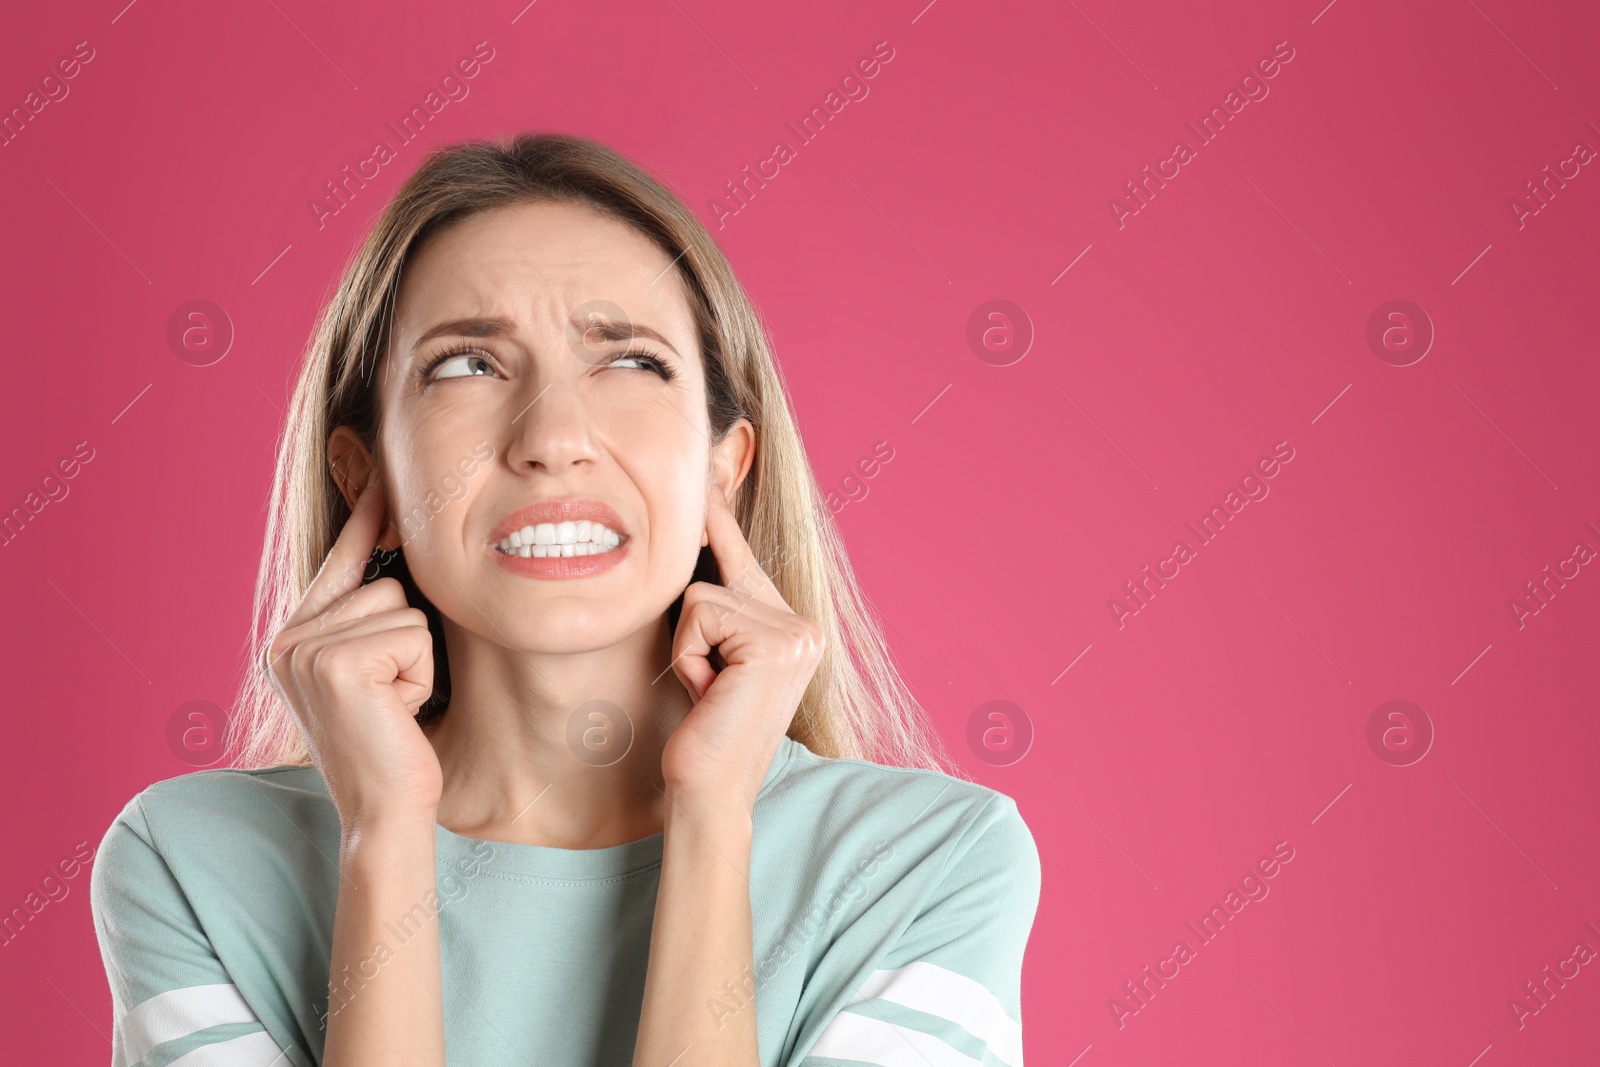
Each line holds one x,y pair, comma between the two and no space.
563,628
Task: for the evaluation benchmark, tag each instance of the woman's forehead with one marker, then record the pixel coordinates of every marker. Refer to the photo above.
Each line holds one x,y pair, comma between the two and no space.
540,264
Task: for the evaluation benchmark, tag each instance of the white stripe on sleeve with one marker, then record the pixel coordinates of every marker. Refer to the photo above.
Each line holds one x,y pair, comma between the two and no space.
929,988
859,1037
251,1050
179,1013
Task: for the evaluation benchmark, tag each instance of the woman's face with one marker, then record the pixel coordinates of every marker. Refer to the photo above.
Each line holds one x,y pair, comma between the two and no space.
499,392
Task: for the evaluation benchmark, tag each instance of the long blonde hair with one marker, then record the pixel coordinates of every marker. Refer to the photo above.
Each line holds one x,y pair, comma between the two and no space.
857,705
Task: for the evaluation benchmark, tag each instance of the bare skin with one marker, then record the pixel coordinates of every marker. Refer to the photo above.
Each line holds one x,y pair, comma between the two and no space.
564,416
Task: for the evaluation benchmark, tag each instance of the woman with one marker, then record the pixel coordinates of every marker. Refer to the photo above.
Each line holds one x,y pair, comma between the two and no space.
512,784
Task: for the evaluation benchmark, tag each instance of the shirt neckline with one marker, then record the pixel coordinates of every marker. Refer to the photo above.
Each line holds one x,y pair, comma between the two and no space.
471,855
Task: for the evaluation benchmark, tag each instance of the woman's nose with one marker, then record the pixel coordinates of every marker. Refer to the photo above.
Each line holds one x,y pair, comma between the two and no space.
553,428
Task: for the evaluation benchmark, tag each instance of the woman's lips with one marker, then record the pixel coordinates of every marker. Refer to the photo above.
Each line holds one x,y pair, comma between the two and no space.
572,509
556,512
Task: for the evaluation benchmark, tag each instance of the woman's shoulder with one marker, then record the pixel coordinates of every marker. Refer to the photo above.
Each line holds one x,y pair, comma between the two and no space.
229,790
909,894
212,894
223,814
229,781
839,799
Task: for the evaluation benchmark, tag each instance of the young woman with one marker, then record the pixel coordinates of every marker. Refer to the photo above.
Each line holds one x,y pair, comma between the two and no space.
568,738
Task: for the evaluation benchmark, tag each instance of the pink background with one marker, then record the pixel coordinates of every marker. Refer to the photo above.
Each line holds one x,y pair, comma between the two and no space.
1228,314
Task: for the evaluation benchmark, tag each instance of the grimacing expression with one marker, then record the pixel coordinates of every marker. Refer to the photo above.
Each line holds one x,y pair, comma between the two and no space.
492,369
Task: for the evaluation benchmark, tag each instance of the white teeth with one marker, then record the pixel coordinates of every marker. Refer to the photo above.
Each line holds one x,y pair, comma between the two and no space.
581,538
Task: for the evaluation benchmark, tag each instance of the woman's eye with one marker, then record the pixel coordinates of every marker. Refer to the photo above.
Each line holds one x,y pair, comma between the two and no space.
470,366
645,361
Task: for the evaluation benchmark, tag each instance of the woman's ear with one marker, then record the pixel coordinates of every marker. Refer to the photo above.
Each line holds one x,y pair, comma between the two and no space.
731,460
350,465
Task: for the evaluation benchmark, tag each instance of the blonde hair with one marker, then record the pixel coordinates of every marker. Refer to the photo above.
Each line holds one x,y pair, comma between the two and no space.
857,706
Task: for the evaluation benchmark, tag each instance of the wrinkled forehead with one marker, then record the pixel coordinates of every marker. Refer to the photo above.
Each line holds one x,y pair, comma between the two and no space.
544,266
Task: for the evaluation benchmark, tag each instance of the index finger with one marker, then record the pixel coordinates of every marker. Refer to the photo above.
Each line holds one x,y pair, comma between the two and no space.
347,560
741,571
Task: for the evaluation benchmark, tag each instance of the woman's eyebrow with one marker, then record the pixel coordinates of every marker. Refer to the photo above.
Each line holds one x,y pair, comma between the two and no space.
610,330
604,329
466,328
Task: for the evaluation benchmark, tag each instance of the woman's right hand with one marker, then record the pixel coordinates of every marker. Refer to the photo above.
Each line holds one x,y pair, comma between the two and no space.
354,662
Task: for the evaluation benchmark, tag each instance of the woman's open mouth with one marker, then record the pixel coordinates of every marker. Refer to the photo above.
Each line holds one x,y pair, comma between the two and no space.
581,538
570,538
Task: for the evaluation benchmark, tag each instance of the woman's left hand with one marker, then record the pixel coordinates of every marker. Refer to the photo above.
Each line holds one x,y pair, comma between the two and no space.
722,749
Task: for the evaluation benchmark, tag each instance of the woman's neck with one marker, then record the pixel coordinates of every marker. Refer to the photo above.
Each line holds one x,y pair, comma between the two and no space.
562,750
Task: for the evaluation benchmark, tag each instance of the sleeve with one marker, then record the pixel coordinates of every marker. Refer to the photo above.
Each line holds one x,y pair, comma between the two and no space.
172,1002
949,992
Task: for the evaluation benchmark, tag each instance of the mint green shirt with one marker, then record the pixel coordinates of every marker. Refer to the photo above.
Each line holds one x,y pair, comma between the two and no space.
891,908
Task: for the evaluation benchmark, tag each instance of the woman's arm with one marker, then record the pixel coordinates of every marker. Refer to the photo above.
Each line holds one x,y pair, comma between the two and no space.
385,998
699,996
353,663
